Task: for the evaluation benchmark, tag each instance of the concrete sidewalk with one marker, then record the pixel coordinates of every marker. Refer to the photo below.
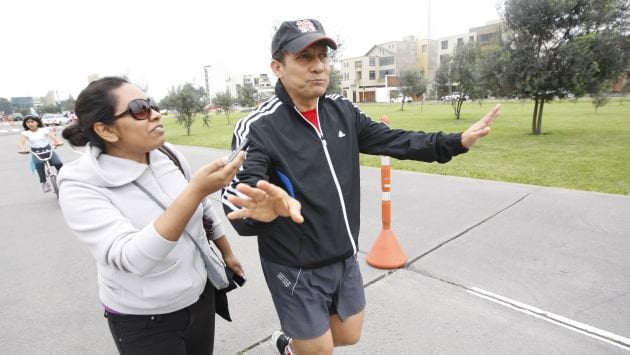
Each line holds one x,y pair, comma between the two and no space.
490,267
493,267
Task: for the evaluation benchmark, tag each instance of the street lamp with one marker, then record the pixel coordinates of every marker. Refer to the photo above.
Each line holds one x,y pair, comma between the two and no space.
205,69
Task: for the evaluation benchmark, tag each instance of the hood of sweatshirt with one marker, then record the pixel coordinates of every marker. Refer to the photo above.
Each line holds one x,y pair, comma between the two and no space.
103,170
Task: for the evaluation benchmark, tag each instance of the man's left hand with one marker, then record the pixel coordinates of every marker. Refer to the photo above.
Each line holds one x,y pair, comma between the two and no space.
481,128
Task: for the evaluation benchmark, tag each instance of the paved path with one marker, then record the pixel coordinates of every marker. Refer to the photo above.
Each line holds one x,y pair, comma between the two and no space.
493,268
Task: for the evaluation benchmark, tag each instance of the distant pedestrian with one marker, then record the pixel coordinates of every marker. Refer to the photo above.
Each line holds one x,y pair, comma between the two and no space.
307,144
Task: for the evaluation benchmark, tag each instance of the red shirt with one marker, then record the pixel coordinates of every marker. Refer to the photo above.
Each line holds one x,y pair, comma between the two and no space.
311,116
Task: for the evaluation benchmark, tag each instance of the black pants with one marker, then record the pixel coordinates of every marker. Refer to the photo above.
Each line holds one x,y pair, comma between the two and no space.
188,331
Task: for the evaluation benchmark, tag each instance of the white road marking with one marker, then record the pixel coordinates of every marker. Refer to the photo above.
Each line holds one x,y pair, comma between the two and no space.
596,333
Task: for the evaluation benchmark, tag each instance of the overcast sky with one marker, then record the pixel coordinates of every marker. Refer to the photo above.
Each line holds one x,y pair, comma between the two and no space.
55,45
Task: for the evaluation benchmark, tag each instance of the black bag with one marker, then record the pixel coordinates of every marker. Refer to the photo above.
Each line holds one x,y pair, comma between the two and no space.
221,306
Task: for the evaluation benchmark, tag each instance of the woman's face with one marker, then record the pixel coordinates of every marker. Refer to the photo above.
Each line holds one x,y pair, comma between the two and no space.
135,136
32,125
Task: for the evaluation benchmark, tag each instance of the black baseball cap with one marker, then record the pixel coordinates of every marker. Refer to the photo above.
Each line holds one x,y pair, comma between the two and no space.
294,36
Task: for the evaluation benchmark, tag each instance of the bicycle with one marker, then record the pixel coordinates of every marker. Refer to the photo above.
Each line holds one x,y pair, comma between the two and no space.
45,154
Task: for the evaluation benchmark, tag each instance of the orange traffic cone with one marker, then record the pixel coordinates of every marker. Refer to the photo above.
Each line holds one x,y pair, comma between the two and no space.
386,253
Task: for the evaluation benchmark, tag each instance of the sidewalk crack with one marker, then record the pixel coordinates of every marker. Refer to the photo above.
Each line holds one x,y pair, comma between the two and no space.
469,229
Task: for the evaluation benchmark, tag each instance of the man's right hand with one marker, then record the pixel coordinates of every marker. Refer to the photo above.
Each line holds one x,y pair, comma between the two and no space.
265,203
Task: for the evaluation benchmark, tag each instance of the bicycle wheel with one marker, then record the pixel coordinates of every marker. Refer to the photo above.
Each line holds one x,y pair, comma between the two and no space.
53,182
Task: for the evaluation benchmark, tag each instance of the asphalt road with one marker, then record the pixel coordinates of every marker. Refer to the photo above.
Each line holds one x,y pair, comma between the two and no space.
493,268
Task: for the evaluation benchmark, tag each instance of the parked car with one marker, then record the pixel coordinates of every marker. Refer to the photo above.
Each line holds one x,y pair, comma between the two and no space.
54,119
399,99
17,117
455,97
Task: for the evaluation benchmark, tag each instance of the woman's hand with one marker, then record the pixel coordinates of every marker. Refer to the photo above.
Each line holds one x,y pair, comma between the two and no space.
214,176
265,203
234,264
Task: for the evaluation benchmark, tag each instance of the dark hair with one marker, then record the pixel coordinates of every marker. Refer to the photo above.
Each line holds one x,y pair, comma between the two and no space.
95,103
34,118
280,56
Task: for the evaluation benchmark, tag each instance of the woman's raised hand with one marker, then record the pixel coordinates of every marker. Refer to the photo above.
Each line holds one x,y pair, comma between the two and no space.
216,175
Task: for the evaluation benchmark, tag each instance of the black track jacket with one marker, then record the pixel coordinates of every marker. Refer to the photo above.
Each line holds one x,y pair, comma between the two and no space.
320,171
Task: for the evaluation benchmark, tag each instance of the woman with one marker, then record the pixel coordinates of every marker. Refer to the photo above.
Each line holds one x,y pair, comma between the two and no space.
152,280
39,138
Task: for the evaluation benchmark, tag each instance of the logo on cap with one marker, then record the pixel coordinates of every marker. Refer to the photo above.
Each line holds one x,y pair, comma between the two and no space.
305,26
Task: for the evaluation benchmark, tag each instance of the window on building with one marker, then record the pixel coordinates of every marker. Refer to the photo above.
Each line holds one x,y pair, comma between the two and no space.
460,42
386,61
383,73
358,75
372,61
471,39
372,75
358,63
424,48
487,37
444,44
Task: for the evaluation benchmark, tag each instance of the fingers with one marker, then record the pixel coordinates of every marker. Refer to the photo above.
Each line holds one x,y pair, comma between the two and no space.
271,189
213,166
254,194
235,266
236,162
491,116
295,211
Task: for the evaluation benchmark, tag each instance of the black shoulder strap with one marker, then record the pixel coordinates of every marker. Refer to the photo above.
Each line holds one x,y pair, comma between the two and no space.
169,153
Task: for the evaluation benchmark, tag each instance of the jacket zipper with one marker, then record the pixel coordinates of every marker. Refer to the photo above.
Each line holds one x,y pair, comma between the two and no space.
320,134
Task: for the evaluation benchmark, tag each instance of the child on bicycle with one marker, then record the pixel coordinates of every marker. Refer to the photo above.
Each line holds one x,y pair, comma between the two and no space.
39,139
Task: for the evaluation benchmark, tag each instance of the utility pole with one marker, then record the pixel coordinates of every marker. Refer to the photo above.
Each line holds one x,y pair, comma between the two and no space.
205,69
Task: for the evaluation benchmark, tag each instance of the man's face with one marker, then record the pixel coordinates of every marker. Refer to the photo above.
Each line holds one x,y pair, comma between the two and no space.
305,75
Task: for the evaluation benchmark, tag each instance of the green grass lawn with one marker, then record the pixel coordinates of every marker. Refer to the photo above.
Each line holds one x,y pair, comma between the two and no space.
579,148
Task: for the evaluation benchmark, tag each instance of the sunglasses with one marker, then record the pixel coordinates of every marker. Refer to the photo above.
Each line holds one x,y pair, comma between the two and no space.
140,109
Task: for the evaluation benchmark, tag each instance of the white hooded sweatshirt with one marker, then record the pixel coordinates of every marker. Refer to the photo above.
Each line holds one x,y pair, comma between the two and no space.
139,271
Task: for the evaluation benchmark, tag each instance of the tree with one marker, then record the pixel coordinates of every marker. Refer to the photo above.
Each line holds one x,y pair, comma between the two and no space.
68,105
334,84
225,102
442,81
464,72
48,108
246,94
564,46
187,101
411,85
5,106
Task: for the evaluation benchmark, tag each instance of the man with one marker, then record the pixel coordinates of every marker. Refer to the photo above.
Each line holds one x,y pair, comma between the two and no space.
299,192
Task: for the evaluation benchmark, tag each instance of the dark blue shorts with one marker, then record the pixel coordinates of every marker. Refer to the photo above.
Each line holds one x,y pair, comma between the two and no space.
306,298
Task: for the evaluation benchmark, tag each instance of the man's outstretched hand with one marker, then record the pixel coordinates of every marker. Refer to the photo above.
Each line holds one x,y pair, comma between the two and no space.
481,128
265,203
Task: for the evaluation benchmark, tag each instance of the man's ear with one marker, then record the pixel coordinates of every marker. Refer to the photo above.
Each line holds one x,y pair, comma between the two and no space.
107,132
276,68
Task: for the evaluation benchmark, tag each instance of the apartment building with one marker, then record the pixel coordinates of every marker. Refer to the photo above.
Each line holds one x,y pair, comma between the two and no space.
361,77
370,78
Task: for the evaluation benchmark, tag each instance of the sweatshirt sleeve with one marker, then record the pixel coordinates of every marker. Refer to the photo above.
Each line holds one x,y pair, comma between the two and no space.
217,230
111,237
